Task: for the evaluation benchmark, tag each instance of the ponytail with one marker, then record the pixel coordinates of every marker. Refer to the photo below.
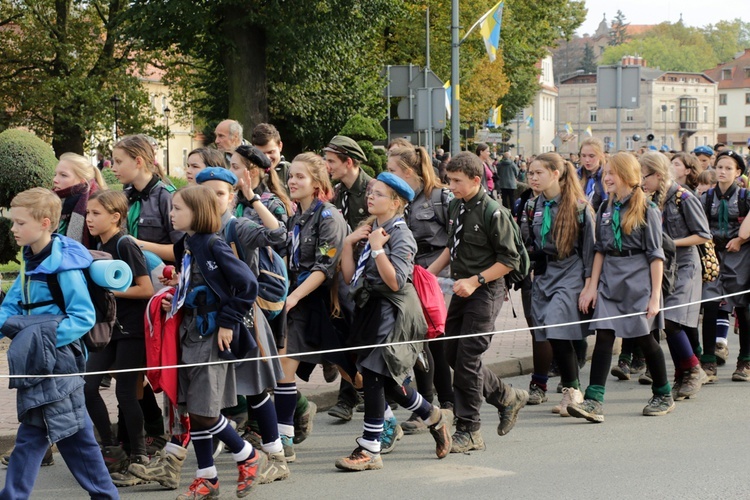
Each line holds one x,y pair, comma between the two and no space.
274,185
626,167
417,160
83,169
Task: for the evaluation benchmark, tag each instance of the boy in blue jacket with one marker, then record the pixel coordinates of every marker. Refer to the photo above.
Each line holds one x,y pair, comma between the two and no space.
50,410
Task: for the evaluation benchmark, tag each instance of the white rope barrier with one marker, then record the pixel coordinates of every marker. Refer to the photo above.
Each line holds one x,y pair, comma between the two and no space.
372,346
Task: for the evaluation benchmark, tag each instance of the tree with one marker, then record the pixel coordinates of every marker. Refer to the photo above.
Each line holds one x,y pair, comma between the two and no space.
305,65
727,38
61,62
588,63
618,33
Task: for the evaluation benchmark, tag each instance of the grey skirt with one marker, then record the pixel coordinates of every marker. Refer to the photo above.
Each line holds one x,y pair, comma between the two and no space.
205,390
554,300
688,288
255,376
735,275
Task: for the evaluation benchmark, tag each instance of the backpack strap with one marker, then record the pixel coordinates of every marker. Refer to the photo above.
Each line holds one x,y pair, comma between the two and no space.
230,235
171,189
742,204
437,204
55,291
708,202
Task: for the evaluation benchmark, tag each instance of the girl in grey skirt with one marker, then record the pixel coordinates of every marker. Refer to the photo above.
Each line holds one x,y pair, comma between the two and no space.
685,222
562,231
625,278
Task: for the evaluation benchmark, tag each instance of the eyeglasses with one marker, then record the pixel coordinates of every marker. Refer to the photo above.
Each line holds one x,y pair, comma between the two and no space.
377,194
644,177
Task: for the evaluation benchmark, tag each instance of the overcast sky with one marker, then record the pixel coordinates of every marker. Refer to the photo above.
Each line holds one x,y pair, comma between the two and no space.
694,12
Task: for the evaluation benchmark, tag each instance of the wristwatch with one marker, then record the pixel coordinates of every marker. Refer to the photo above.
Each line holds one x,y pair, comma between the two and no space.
254,199
375,253
481,279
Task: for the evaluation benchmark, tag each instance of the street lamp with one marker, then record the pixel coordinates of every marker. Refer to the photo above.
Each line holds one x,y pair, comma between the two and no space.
115,101
167,112
664,110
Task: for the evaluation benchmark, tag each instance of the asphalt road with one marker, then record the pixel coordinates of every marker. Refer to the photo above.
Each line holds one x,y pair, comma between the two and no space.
697,451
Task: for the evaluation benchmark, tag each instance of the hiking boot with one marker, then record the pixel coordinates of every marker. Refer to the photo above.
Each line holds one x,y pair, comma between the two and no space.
342,410
164,468
622,370
276,468
441,432
248,471
154,444
303,425
742,373
658,405
392,433
722,353
253,438
637,366
115,458
537,395
711,372
360,459
691,383
465,441
645,378
570,396
414,425
559,387
330,372
509,413
124,479
677,385
201,488
48,459
590,409
288,443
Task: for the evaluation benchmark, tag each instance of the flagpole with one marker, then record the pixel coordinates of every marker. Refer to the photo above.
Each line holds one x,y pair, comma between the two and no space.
455,82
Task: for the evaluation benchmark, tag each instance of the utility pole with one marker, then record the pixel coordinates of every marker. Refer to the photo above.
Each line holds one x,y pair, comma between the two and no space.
455,83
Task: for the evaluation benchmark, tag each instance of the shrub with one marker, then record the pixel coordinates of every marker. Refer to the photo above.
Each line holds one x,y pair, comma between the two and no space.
8,247
360,128
27,162
178,182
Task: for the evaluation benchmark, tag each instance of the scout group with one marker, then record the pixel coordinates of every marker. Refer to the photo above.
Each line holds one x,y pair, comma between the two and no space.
613,235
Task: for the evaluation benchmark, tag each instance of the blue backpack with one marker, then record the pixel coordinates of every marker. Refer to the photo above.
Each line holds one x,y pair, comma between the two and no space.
154,264
273,280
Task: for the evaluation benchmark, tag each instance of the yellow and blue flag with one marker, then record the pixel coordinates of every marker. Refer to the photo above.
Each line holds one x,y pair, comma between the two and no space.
489,27
588,131
448,94
530,121
569,128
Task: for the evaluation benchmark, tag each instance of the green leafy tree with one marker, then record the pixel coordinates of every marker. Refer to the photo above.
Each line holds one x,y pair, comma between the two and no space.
727,38
60,63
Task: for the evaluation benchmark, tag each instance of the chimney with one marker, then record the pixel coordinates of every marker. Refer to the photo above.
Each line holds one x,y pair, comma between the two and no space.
633,61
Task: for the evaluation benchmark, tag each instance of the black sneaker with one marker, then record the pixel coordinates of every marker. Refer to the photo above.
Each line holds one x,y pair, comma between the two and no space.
342,410
509,413
115,458
154,444
537,395
622,370
658,405
645,378
638,366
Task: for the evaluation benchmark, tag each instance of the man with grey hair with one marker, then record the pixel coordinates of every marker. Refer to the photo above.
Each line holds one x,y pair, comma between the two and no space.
228,136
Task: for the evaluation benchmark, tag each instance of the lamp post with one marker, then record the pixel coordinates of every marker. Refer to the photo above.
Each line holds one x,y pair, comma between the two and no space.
664,110
115,101
167,112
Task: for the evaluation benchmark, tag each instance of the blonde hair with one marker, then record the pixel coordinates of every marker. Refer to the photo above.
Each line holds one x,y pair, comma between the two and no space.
318,170
657,163
418,161
114,202
203,203
83,169
139,145
567,226
598,146
626,167
41,204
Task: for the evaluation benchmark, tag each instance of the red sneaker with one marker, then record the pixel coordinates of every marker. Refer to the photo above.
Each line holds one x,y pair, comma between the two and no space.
249,470
201,488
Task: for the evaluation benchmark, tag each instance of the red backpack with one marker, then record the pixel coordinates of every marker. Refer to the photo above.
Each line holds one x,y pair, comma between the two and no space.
433,304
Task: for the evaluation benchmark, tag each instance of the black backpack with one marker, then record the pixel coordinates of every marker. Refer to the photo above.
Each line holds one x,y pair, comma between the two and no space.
104,305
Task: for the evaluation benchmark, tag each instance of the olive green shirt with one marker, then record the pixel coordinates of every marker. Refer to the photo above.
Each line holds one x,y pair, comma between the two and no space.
357,200
481,245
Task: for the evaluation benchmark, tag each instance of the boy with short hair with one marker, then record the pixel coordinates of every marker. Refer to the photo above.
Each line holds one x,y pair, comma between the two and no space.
267,138
46,340
481,250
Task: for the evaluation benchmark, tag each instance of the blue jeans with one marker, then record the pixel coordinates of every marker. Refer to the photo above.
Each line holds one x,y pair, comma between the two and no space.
80,452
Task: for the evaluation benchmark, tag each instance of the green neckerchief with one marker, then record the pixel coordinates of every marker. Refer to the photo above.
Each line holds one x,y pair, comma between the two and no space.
616,229
546,220
239,210
134,214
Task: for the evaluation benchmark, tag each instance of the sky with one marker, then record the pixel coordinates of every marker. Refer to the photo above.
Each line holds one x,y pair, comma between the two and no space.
694,12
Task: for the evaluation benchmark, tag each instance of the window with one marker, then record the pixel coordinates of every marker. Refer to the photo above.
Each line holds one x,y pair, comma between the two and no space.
747,72
705,114
747,98
629,115
592,114
722,99
184,156
629,143
671,112
722,122
705,141
726,74
747,121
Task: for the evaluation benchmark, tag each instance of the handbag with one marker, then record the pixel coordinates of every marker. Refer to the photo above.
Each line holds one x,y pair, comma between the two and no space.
709,261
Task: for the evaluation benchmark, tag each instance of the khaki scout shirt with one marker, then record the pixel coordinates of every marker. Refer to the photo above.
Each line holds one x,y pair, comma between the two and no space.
357,199
480,247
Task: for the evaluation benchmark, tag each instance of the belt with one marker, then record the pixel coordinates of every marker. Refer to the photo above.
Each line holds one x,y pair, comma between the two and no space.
624,253
423,248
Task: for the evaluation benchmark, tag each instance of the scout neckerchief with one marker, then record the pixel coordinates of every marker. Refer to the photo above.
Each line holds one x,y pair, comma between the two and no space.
135,200
723,214
616,229
546,220
182,287
298,229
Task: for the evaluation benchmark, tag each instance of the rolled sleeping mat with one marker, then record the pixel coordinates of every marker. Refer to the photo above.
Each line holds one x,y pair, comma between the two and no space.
112,274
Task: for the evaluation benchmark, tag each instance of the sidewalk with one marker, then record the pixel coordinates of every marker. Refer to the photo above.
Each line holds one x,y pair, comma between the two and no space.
509,355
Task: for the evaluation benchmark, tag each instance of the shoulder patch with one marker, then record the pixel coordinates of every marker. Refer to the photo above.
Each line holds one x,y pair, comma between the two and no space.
325,214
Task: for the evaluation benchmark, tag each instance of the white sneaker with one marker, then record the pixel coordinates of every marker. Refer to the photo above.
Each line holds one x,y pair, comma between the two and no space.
570,396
